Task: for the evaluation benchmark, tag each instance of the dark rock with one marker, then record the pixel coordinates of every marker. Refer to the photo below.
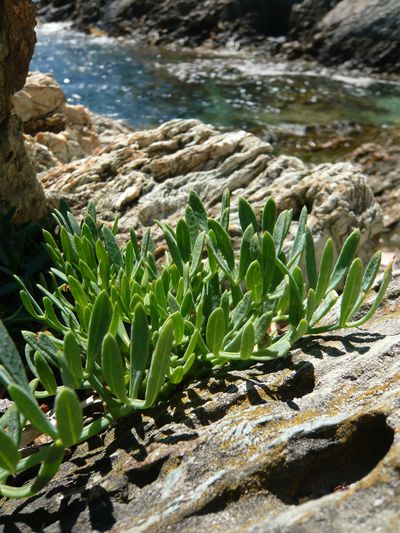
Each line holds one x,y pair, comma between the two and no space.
18,185
309,444
362,32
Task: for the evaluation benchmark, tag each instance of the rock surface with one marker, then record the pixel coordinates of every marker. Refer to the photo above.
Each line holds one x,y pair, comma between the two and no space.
147,175
362,32
333,31
309,445
381,166
18,185
163,21
55,131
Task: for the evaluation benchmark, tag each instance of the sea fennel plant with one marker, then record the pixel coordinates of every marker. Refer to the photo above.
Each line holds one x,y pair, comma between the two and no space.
125,329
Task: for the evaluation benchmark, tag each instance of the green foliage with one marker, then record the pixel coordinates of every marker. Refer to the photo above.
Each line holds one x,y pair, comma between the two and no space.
126,330
22,253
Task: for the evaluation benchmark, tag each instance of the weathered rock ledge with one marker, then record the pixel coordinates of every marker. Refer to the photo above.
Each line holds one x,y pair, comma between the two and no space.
147,175
311,444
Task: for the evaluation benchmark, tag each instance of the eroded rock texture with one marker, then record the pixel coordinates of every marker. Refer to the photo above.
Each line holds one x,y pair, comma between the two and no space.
147,175
18,185
56,132
311,444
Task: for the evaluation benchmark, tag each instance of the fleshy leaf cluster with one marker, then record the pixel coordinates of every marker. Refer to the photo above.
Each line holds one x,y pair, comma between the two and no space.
124,327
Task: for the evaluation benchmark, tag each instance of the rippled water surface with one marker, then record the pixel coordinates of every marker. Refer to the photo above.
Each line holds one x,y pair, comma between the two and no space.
147,86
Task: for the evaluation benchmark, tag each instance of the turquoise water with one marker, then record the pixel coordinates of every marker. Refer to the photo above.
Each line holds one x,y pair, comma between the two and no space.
146,86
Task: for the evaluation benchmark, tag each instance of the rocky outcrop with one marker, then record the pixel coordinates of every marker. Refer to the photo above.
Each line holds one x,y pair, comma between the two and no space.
164,21
360,32
147,175
307,445
18,185
56,132
333,31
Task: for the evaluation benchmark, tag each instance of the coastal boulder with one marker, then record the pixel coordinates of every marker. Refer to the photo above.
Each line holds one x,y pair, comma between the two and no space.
358,32
56,132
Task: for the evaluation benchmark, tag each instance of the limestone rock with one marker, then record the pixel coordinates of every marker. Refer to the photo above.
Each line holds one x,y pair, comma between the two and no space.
56,132
40,96
308,445
147,175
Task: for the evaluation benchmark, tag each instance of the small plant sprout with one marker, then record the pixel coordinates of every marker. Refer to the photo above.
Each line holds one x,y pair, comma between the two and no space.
125,329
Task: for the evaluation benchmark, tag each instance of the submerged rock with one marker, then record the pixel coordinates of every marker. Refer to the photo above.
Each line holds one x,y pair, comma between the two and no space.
309,444
147,175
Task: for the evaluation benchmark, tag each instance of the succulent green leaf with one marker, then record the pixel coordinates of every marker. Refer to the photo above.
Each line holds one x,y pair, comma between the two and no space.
268,260
139,348
225,201
269,216
179,326
177,375
199,211
254,281
281,229
45,374
324,307
29,407
100,320
325,270
247,216
262,326
112,247
9,455
245,254
223,242
10,358
183,240
311,304
49,467
298,242
371,272
69,416
113,367
345,259
72,353
159,363
351,290
241,311
215,331
247,341
387,276
172,246
311,265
